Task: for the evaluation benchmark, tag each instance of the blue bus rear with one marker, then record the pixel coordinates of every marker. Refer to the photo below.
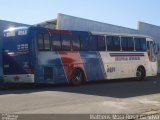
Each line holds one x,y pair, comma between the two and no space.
17,56
1,69
20,54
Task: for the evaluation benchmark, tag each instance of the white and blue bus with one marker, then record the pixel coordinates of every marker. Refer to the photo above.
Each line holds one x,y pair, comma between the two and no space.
41,55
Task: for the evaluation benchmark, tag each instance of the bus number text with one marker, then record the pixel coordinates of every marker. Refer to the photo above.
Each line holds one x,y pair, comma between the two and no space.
111,69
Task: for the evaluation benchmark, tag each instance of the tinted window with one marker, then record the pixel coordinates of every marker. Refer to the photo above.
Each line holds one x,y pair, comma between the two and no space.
101,43
113,43
40,41
148,45
127,44
140,44
152,54
48,73
130,44
56,42
143,44
66,44
46,42
93,43
43,42
76,42
84,38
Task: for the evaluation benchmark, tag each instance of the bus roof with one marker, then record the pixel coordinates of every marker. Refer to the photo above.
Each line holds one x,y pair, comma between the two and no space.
15,29
94,33
51,30
120,34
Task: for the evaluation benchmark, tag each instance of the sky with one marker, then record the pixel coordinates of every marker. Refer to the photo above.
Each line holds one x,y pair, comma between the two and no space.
118,12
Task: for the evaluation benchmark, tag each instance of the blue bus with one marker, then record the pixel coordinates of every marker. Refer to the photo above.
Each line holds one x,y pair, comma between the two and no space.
1,66
41,55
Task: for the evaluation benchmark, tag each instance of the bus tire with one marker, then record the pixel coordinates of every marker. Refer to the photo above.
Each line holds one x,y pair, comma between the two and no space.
140,74
76,77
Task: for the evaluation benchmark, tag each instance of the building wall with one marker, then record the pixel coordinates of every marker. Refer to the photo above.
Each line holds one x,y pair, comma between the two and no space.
5,25
67,22
75,23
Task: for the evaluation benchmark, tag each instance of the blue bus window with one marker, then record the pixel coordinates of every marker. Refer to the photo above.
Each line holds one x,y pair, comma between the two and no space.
46,42
93,43
140,44
66,42
76,42
148,45
101,43
130,44
40,41
143,44
56,42
84,42
43,42
113,43
127,43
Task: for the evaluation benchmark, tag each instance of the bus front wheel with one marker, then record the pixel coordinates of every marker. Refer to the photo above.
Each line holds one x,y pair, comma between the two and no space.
140,74
76,77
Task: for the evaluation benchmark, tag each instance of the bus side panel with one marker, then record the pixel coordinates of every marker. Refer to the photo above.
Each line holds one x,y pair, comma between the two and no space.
70,61
50,65
93,65
125,64
90,62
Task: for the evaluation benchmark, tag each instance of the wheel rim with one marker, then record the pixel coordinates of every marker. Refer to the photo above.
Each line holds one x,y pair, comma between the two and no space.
77,77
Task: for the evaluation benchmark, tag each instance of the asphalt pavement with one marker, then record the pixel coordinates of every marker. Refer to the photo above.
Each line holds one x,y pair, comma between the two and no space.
116,96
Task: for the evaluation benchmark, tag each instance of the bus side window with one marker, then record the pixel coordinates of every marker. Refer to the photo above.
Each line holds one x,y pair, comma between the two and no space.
56,42
113,43
130,44
148,45
43,42
40,41
143,44
84,42
140,44
127,43
101,43
46,42
66,42
76,42
93,43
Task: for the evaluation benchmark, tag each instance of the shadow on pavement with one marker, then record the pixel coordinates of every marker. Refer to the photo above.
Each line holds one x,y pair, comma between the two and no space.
115,88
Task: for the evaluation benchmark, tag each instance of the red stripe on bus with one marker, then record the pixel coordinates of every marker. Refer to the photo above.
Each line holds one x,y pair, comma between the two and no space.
70,61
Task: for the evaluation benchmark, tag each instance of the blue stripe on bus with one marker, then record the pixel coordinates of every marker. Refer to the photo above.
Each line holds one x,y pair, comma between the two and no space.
50,59
102,65
92,66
